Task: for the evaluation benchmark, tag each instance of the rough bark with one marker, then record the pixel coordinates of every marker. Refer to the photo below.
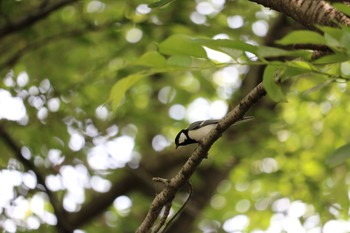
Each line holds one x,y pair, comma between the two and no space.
308,12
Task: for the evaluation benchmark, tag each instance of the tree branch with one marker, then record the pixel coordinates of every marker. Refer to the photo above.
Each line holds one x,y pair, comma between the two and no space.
8,140
30,46
138,179
32,18
197,156
308,12
212,176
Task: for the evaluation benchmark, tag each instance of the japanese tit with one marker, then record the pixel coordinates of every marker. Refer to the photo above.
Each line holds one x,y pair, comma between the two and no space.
197,130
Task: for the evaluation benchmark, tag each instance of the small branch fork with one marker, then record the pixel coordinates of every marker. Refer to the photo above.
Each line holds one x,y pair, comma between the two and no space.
167,208
173,185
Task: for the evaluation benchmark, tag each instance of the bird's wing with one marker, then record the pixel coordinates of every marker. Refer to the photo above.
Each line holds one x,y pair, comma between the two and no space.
198,124
244,119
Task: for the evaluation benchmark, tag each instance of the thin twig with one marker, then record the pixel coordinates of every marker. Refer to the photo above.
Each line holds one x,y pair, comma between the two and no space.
168,207
162,221
190,191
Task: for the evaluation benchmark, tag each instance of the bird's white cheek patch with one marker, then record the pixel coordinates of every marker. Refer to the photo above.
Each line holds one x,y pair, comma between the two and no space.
198,134
182,138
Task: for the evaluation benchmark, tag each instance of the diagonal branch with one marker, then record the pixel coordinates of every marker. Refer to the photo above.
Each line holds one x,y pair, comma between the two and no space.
197,156
308,12
32,18
51,39
10,142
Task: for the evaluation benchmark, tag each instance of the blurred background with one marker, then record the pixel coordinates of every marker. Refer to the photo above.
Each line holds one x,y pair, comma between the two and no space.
69,161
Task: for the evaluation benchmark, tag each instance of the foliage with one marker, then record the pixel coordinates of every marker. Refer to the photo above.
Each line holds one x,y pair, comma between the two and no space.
100,90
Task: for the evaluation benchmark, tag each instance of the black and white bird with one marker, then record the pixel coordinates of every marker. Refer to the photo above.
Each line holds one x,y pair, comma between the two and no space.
197,130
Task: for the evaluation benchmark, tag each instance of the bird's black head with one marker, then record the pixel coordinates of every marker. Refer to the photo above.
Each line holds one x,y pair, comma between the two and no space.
182,138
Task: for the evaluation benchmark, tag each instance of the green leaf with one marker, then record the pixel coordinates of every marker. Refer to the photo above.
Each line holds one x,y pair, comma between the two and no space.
233,48
159,3
290,72
345,39
182,45
302,37
272,82
342,7
180,60
333,69
302,65
152,59
121,87
332,36
333,58
266,51
339,156
317,87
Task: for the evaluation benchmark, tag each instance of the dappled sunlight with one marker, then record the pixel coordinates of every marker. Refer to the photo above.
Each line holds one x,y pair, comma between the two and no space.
217,56
345,68
98,158
22,79
29,213
237,223
198,18
99,184
201,109
76,142
218,201
74,180
54,104
235,21
102,112
260,28
188,82
166,94
8,179
111,154
209,225
177,112
53,182
206,9
266,165
243,206
342,226
94,92
143,9
285,219
11,108
159,142
210,7
133,35
121,149
39,97
29,180
227,80
95,7
122,204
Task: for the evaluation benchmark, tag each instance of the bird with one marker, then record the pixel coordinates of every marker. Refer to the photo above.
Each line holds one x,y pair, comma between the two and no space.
197,130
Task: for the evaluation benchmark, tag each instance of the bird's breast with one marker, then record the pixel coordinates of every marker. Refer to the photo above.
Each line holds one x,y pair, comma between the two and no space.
198,134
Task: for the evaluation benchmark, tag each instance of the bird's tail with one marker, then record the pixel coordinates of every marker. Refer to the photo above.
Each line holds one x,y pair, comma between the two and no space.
244,119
